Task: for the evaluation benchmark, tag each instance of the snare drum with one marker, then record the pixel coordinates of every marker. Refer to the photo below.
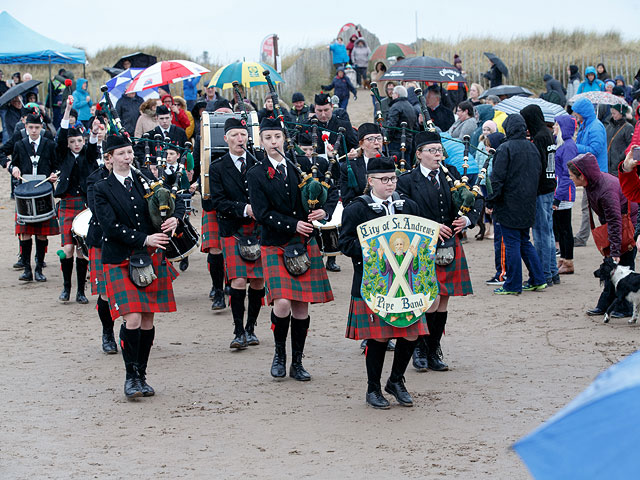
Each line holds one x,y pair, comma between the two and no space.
185,241
34,204
328,240
80,229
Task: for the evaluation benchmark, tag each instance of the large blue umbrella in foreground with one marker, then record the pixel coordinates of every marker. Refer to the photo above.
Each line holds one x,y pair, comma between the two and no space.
596,435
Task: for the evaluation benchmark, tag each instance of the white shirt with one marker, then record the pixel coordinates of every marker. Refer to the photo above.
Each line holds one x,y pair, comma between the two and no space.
121,179
169,168
37,142
236,161
275,164
392,209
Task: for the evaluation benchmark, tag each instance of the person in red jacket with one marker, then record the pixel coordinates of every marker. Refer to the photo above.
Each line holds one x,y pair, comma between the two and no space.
178,116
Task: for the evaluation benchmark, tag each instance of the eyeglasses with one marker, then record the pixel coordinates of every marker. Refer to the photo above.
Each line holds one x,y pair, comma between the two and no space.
373,139
432,151
386,180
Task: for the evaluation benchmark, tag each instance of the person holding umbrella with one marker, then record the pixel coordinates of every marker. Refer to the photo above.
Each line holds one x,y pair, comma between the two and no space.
498,68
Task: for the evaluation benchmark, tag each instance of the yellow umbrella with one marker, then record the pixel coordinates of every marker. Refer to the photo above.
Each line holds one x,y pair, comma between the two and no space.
247,74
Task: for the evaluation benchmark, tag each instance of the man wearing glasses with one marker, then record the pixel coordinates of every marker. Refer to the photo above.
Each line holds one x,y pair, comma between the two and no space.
429,187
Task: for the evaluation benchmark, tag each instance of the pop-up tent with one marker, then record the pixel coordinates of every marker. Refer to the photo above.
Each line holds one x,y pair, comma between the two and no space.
20,44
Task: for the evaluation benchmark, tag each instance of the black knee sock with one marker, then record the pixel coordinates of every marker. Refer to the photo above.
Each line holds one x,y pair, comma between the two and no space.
41,249
237,309
25,251
66,264
401,357
436,322
216,270
374,359
82,266
130,346
105,316
146,341
254,306
280,327
299,328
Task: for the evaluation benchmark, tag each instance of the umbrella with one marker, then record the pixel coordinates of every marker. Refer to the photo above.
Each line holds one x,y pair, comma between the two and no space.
515,104
118,85
423,69
600,98
18,90
593,437
248,74
138,60
389,50
498,63
165,72
113,71
509,90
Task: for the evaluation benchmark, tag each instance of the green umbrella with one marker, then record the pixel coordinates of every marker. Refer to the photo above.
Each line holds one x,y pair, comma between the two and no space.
389,50
247,74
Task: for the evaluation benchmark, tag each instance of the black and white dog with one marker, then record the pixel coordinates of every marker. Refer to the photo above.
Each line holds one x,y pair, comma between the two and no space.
626,283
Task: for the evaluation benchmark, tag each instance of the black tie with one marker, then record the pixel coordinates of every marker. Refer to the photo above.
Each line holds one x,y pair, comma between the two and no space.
33,147
433,178
243,166
173,169
283,170
387,204
128,184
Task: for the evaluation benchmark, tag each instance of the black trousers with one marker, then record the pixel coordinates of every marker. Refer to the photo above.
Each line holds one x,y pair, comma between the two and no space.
563,232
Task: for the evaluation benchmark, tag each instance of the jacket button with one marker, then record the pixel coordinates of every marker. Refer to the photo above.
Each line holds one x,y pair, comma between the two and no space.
132,236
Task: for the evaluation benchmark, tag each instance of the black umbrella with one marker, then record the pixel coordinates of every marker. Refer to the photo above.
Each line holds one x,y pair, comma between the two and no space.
18,90
508,90
138,60
498,63
113,71
423,69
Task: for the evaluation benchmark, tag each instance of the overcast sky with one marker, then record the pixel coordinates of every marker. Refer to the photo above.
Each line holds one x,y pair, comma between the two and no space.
234,30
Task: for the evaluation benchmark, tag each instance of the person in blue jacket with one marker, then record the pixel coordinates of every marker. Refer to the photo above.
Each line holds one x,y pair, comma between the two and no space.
341,85
591,82
189,86
82,101
339,55
592,136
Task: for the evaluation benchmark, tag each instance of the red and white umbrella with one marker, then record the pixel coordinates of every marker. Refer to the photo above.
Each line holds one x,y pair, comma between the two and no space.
162,73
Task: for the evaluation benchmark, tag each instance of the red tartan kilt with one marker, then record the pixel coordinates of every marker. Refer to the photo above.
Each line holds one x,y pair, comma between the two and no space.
96,273
454,279
125,297
210,232
364,324
234,265
311,287
68,207
47,228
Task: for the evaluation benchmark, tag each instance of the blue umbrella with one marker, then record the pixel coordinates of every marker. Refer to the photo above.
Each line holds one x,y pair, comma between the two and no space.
594,436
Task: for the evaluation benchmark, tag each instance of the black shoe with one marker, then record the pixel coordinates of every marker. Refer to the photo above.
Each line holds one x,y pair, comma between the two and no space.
594,312
184,264
146,389
332,266
420,362
218,301
80,298
398,390
391,346
132,388
375,399
619,315
436,364
109,343
66,293
240,342
297,371
27,275
44,264
212,293
19,265
363,344
279,365
37,274
556,279
251,336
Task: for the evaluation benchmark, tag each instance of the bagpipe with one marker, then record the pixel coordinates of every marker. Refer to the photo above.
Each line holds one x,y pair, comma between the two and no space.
378,114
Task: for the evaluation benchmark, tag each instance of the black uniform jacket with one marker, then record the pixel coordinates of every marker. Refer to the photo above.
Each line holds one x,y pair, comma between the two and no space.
229,194
86,162
360,171
124,218
21,157
435,204
176,135
357,212
94,235
6,149
276,202
334,125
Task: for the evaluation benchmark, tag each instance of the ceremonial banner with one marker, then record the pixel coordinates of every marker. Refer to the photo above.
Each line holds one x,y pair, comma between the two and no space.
399,274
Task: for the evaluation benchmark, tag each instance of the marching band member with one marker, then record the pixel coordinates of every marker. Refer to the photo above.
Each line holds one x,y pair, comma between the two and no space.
362,322
34,155
428,186
276,202
230,199
128,234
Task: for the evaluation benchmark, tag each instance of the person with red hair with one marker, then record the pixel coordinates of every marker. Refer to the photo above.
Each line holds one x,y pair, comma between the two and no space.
178,116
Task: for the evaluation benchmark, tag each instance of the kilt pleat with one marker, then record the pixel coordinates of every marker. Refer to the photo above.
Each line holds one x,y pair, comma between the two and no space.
454,279
96,272
235,266
312,287
364,324
68,207
47,228
210,231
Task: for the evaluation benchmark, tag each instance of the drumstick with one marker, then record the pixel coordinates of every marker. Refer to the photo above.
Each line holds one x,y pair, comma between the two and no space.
47,179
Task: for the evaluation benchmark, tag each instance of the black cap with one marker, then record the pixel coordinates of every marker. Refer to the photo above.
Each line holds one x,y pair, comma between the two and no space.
381,165
116,141
75,132
33,118
162,110
73,113
322,99
297,97
221,103
425,138
172,146
368,129
233,122
24,111
304,139
268,123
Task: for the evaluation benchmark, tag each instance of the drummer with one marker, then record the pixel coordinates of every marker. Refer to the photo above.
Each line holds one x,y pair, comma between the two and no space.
34,155
230,198
276,201
75,165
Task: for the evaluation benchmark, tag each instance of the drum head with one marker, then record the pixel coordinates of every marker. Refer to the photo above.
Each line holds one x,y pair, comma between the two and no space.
29,189
80,225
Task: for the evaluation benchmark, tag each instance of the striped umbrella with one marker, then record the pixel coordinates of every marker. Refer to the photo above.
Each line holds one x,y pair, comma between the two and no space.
600,98
389,50
515,104
248,74
165,72
118,84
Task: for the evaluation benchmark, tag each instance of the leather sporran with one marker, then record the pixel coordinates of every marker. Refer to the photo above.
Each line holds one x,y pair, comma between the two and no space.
446,251
296,259
248,247
141,270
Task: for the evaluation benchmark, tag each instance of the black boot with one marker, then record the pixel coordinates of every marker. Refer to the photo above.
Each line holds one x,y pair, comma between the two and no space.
332,266
146,341
216,270
26,247
395,384
237,311
280,331
81,274
66,265
299,330
436,329
253,310
374,359
184,264
130,345
41,249
108,339
420,362
19,265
